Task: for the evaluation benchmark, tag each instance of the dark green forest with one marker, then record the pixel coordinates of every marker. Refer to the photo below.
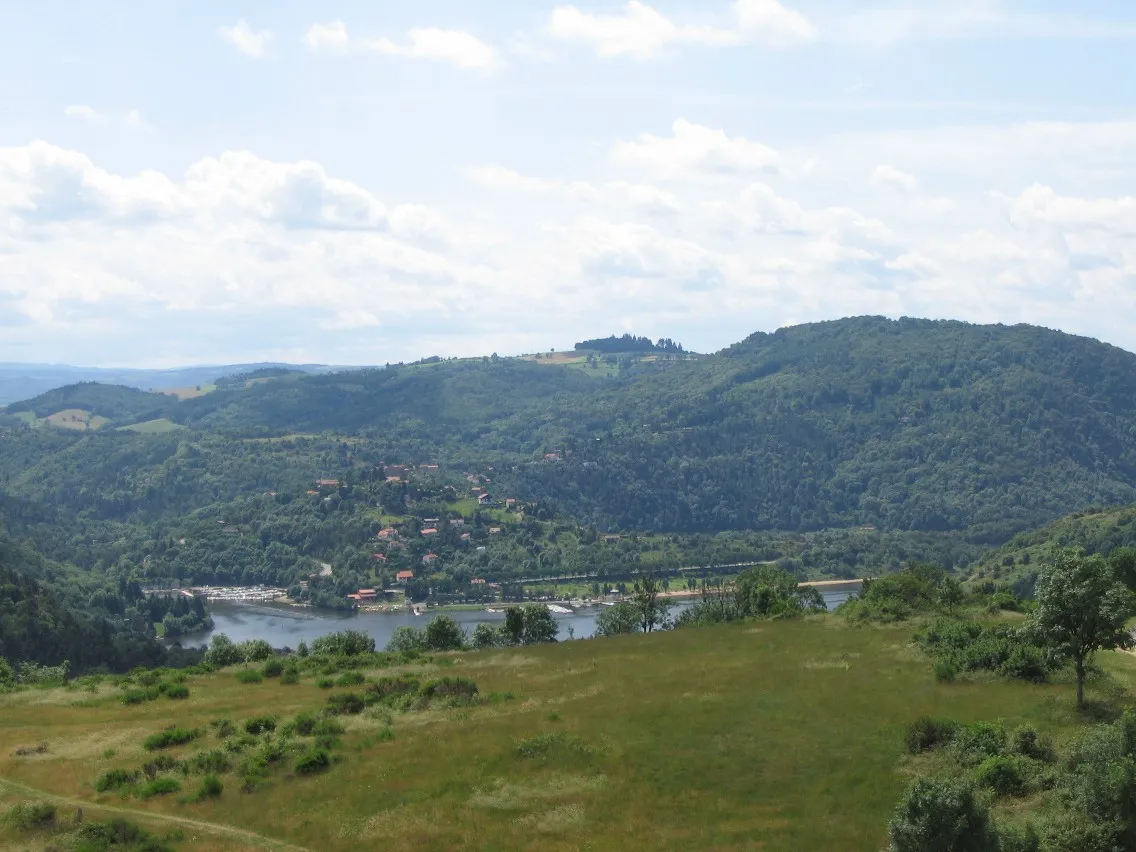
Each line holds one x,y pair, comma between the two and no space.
838,449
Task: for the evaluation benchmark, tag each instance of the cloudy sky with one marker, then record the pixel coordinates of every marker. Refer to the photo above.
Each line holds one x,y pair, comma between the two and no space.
363,182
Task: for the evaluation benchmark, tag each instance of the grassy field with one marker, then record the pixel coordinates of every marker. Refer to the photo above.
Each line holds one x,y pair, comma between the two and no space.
773,736
76,418
153,427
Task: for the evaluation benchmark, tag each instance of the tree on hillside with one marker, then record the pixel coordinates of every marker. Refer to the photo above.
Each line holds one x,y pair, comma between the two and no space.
1082,607
650,609
1123,563
618,620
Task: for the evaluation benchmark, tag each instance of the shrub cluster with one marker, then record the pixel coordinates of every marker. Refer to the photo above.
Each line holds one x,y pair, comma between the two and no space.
170,737
957,645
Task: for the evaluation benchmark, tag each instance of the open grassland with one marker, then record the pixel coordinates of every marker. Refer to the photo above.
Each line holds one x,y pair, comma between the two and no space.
773,736
153,427
190,392
76,418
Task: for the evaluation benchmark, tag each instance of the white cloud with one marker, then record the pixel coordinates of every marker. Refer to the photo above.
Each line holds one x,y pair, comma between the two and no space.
331,36
456,47
694,149
694,232
889,176
87,113
244,38
642,31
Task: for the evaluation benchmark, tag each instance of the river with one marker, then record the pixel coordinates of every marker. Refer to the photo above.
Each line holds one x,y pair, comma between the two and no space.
284,626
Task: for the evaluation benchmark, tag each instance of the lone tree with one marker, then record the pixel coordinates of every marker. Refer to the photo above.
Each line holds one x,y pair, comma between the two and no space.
652,611
1081,607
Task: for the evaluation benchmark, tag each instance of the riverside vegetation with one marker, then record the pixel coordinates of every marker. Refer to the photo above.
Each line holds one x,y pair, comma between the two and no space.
809,730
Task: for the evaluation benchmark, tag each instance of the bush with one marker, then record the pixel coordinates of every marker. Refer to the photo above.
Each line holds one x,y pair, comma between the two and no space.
290,675
158,787
223,652
945,671
485,636
250,676
139,696
7,676
210,762
313,761
211,787
255,650
169,738
175,691
260,725
303,724
344,703
273,668
406,640
325,683
29,816
456,689
161,763
972,744
1018,839
926,733
223,728
118,834
386,688
350,679
443,634
346,643
1026,742
327,728
1006,776
116,779
941,814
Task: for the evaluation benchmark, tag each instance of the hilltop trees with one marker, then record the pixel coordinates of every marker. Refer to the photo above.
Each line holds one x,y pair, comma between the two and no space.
1082,607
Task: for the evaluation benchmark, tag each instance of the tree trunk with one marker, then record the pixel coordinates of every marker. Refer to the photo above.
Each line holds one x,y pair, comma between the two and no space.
1080,682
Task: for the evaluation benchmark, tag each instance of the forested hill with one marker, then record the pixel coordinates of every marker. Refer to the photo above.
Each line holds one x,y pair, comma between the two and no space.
909,424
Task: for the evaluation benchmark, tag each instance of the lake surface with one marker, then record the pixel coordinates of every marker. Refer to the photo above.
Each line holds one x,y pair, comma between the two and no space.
284,626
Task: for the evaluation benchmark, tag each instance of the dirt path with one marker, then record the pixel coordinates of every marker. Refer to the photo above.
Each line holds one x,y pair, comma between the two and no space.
183,822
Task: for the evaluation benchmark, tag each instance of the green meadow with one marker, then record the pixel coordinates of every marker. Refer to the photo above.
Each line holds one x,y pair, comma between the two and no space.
769,735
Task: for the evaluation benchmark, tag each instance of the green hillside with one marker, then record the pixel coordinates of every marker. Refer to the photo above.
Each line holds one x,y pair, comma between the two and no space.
1093,530
905,425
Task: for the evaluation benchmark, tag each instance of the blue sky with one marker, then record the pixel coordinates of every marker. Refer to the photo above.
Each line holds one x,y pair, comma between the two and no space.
368,182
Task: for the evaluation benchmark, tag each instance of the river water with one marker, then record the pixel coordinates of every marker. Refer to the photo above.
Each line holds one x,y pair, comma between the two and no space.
284,626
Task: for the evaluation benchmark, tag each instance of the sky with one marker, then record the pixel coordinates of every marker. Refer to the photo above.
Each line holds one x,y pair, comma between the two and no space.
370,182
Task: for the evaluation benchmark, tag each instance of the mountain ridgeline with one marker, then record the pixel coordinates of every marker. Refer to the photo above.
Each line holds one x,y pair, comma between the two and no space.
905,425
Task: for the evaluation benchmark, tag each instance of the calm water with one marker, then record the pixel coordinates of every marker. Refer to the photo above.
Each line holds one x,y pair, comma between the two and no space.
286,626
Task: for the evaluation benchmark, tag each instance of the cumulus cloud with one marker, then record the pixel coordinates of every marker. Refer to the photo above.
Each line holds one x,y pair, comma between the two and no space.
244,38
694,149
331,36
641,31
87,113
455,47
697,234
893,178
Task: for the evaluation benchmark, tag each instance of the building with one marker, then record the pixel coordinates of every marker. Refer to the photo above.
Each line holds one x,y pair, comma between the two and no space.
366,594
403,576
612,539
389,534
428,468
429,558
483,499
429,531
495,531
510,502
465,537
477,581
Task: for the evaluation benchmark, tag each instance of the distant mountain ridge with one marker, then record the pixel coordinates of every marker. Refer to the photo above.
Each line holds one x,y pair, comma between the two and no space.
24,381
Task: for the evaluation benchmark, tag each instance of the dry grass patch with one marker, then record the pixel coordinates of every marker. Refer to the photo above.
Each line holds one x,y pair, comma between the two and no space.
504,795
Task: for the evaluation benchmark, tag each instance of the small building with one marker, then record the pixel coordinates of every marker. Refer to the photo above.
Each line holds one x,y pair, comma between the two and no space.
389,534
483,499
477,581
403,576
457,522
429,558
428,468
366,594
381,557
612,539
510,502
429,531
495,531
465,537
552,456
